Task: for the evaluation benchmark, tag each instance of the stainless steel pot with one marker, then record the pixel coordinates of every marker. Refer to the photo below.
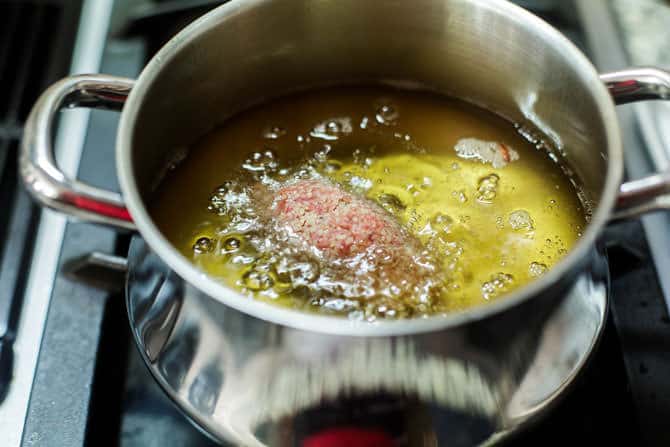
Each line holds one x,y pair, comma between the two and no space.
245,370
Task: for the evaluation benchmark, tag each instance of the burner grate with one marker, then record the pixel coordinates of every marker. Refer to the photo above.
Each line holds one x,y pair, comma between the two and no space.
35,43
34,51
27,45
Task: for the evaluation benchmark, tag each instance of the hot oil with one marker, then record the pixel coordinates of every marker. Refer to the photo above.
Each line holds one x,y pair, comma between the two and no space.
488,227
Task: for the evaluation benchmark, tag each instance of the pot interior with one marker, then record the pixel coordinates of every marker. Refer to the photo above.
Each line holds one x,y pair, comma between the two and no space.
484,52
490,53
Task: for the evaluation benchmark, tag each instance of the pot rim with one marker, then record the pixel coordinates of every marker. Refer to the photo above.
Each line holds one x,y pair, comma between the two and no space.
338,325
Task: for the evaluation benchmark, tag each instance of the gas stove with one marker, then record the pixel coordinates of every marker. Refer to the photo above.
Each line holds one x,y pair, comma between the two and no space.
69,373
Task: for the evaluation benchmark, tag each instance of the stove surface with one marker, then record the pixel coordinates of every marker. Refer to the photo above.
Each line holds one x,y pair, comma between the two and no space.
90,385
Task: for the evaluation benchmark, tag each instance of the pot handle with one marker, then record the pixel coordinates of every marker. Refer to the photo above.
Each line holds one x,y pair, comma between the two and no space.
37,162
649,193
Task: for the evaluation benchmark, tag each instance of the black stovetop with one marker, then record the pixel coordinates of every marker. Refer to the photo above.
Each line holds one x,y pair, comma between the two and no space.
91,387
30,59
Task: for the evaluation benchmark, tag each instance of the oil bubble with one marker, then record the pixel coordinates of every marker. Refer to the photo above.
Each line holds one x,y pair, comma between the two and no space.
273,132
497,285
282,280
258,278
282,288
363,157
386,115
391,203
229,197
225,188
303,273
487,188
231,245
520,220
262,161
203,245
332,129
322,155
537,269
381,256
441,223
459,195
218,202
360,183
332,166
413,190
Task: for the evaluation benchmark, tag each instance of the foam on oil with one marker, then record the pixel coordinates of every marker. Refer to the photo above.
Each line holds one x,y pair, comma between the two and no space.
492,212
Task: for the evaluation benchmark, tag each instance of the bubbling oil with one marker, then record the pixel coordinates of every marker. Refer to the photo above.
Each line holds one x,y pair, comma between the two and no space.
486,211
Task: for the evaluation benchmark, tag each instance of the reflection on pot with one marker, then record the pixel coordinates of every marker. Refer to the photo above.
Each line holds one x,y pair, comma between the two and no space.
257,383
